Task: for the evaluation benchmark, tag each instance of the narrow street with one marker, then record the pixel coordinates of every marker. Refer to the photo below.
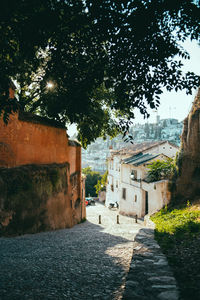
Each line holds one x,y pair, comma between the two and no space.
88,261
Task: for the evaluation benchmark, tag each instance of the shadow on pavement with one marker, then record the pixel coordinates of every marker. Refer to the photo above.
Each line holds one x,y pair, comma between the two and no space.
75,263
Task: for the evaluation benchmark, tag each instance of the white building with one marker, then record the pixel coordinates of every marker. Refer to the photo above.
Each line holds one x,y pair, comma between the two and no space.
127,170
114,178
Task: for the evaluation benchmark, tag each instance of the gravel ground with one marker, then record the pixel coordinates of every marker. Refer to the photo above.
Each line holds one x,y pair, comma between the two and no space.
88,261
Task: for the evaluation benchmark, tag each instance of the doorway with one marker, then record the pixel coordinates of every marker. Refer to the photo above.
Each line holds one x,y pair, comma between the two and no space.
146,203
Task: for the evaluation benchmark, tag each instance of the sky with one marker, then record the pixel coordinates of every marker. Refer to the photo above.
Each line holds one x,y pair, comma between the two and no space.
172,104
176,104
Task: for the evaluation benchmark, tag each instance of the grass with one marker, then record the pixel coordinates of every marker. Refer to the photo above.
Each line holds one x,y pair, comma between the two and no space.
178,234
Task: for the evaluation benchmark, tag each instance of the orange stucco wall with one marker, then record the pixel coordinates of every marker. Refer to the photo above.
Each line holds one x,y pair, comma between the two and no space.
26,141
31,143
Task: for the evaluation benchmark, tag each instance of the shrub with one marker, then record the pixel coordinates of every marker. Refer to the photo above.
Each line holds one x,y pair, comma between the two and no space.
161,169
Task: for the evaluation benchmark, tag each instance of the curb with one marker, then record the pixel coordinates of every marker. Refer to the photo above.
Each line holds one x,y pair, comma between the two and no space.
150,276
148,223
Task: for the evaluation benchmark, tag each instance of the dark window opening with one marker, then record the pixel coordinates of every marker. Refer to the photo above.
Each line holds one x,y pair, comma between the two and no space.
124,193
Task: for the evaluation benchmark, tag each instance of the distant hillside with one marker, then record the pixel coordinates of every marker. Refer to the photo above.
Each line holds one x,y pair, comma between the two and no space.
165,129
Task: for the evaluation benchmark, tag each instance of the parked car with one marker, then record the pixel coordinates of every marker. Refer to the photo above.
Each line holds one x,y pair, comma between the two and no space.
89,201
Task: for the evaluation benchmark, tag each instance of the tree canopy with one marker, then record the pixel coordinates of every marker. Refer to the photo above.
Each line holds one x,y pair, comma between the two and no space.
101,183
92,62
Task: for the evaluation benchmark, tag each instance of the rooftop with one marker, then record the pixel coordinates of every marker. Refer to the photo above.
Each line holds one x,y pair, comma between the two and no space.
139,159
137,148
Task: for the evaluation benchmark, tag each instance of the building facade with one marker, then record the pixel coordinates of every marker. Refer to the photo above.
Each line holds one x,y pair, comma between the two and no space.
134,195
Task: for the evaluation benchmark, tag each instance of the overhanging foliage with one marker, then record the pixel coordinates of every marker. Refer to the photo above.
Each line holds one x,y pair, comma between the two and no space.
103,58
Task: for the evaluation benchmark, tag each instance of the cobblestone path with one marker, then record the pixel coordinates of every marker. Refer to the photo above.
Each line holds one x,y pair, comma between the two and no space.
88,261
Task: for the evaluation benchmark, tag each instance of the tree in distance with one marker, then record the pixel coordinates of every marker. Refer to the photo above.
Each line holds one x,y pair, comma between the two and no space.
92,178
93,62
101,183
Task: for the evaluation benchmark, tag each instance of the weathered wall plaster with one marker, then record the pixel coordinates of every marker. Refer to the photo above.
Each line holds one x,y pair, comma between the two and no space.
29,143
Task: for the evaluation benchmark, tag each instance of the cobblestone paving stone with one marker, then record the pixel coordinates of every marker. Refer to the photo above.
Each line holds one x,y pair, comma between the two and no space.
88,261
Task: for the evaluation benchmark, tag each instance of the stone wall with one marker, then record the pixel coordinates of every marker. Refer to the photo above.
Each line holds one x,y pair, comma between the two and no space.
35,198
188,181
40,176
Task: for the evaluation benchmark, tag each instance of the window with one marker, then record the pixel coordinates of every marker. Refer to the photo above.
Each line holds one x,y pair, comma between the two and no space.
116,184
135,198
112,187
124,193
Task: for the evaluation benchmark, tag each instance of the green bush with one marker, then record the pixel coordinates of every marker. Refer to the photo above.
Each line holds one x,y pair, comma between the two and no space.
161,169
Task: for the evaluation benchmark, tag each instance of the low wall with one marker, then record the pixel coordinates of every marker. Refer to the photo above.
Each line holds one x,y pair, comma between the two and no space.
37,198
159,195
